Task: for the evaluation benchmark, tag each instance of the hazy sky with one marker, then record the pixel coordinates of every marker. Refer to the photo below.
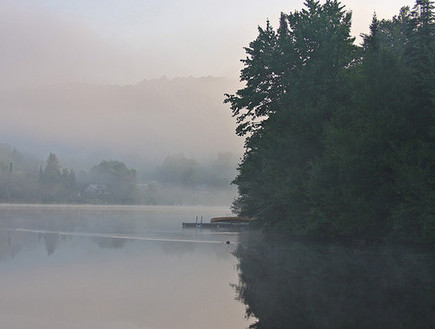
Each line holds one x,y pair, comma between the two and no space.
47,43
125,41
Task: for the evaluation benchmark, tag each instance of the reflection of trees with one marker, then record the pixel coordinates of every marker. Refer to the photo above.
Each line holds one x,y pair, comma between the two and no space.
12,243
301,285
6,244
50,241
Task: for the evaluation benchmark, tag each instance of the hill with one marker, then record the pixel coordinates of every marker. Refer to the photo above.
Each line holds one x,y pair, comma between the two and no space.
146,121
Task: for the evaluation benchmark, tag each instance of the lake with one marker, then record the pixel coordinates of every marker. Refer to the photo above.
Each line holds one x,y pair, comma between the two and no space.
290,283
135,267
107,267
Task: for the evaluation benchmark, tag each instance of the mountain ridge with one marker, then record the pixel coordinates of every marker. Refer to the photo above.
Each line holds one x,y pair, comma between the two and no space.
152,117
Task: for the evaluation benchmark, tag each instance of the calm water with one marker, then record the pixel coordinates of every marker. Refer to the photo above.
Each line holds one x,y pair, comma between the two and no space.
103,267
115,267
302,285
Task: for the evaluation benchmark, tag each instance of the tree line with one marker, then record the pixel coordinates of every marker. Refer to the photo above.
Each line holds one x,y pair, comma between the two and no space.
20,181
178,179
339,137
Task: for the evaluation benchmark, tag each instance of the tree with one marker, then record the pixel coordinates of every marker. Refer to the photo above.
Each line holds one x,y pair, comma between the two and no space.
120,181
259,98
374,179
341,141
414,216
294,79
52,172
57,183
178,170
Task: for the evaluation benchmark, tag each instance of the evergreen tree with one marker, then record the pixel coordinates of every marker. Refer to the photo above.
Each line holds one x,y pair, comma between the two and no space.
309,55
52,171
57,183
351,188
414,216
340,139
258,98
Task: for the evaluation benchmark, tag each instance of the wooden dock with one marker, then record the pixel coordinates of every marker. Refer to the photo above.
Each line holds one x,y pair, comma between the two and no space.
215,225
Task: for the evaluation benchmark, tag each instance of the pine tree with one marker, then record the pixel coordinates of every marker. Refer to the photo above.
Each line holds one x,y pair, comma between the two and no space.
291,87
52,171
258,98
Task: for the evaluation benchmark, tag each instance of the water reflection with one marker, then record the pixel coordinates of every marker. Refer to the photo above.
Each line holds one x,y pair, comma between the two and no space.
291,284
109,227
51,241
131,269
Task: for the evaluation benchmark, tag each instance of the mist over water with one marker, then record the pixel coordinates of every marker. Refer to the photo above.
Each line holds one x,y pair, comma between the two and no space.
115,267
135,267
287,283
86,81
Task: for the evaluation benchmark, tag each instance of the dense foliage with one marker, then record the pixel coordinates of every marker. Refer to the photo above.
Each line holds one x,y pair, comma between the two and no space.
339,137
177,180
118,180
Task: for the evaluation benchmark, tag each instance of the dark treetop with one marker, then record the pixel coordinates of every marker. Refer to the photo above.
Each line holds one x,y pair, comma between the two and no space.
339,137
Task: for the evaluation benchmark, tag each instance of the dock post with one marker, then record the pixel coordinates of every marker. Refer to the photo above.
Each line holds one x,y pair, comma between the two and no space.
196,220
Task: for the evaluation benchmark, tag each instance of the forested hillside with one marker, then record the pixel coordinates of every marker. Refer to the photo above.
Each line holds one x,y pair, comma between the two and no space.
340,137
176,180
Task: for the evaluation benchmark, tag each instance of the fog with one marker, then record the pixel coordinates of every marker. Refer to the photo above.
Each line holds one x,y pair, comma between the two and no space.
124,42
141,81
115,267
72,71
146,121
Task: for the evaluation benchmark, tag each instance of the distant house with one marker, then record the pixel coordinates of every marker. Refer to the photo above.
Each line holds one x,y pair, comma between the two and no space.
97,189
143,187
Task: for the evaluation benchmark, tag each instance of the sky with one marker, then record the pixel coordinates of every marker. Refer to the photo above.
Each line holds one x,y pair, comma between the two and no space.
121,79
126,41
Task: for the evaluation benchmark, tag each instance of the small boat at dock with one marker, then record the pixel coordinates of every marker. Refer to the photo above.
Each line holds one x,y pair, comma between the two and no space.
230,219
232,222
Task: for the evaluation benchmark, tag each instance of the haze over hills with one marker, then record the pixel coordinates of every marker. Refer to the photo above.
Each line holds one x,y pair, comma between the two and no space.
138,123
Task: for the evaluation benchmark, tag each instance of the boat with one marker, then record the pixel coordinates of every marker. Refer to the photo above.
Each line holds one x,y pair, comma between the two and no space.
230,219
231,222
